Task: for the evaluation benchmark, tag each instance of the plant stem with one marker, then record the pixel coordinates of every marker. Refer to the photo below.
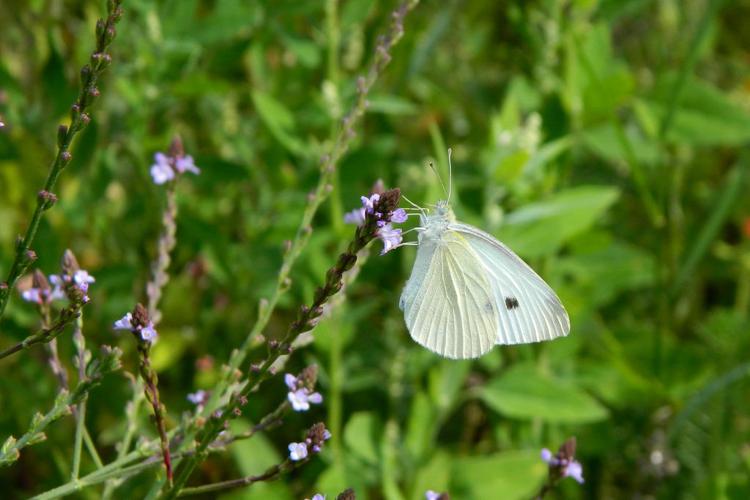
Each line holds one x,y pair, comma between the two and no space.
272,473
100,59
131,413
66,316
80,344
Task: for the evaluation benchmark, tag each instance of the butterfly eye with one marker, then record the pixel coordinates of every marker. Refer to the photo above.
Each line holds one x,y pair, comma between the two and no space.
511,302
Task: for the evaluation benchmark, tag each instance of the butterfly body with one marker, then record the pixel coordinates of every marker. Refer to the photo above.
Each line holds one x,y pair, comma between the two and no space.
468,292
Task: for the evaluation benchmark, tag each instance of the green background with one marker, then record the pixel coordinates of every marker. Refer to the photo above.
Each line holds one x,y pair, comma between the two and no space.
605,142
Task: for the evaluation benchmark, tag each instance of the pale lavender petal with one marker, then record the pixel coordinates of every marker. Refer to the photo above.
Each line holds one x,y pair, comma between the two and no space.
290,381
574,470
298,399
161,173
399,216
356,216
124,323
431,495
148,333
315,398
32,295
82,276
391,238
198,397
185,164
546,455
297,451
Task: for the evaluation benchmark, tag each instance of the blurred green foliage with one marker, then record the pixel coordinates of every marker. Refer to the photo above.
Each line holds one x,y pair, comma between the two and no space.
602,140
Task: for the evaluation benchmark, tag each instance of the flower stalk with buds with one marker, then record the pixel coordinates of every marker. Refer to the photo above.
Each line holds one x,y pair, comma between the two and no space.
307,318
139,324
79,118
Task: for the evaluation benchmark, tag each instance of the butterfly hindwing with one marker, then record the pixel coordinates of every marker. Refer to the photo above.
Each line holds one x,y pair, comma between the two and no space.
528,309
448,302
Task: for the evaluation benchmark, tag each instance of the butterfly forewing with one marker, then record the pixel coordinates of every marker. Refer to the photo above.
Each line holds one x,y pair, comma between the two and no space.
528,309
448,302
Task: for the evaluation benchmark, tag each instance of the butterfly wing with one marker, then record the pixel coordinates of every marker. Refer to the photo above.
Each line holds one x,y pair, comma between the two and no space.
448,302
528,309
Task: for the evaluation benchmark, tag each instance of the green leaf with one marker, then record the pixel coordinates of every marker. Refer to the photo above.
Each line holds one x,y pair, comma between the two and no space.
522,392
704,115
434,475
253,456
542,228
360,436
508,475
279,121
390,105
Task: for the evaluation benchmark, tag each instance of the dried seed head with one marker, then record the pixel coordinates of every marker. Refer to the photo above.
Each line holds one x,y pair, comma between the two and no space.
176,149
140,316
40,281
69,263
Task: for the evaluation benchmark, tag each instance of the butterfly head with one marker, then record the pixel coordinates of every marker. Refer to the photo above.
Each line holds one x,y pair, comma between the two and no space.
434,224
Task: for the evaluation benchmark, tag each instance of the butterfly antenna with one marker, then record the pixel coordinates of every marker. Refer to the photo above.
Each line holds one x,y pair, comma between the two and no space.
450,174
434,170
413,204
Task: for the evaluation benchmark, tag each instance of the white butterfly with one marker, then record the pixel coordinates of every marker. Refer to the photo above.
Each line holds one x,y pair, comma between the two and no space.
468,292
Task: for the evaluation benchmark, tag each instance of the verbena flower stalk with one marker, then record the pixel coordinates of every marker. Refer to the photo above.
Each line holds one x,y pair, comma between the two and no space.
73,284
142,328
561,465
329,162
307,318
79,118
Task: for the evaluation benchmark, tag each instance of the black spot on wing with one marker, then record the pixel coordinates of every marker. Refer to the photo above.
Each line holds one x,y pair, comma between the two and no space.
511,302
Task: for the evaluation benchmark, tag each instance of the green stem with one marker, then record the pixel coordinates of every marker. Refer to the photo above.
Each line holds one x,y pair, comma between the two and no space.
80,344
66,316
80,422
131,413
91,448
270,474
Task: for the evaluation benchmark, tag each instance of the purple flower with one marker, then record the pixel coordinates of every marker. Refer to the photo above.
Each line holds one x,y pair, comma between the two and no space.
399,216
300,396
41,295
147,332
161,170
318,496
431,495
124,323
567,466
185,164
369,203
297,451
390,237
574,470
198,398
82,278
356,216
166,168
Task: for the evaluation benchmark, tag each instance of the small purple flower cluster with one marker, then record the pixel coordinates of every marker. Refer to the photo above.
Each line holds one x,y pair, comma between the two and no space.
567,466
42,294
300,394
167,168
390,237
313,443
199,397
146,332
